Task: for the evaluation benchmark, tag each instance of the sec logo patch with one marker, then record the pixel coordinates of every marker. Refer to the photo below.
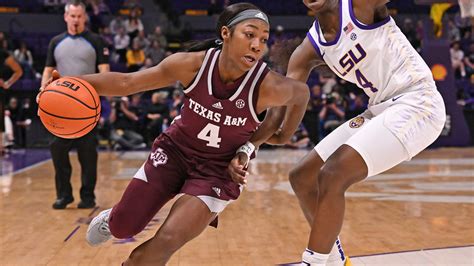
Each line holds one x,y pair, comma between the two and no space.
356,122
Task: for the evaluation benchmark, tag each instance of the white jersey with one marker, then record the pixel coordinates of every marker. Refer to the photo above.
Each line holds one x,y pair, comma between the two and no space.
378,58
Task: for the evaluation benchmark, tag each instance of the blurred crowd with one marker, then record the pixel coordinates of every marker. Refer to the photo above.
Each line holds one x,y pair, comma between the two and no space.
133,122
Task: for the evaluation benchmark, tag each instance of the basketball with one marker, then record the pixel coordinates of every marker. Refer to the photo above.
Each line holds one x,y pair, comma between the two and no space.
69,107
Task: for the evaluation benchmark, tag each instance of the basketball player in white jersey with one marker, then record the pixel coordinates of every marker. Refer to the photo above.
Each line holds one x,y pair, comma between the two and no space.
360,42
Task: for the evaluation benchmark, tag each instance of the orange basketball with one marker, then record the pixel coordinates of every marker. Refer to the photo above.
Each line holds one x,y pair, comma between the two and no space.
69,107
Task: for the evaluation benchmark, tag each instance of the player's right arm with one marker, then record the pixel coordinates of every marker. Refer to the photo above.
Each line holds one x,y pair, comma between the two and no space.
180,67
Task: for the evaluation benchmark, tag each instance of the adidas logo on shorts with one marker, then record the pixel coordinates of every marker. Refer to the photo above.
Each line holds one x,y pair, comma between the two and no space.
217,190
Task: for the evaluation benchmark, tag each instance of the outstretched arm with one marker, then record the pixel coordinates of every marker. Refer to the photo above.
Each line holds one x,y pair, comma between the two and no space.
180,67
177,67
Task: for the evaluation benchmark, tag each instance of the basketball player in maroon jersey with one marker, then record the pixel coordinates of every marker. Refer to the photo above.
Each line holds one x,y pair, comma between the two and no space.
227,90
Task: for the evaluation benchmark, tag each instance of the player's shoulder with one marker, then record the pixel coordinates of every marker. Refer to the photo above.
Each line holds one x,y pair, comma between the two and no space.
191,60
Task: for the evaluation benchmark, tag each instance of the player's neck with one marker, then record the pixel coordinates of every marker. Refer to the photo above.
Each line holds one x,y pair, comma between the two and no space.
228,71
329,21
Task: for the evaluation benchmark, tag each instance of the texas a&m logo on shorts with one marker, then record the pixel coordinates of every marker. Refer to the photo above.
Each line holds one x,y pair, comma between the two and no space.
356,122
158,157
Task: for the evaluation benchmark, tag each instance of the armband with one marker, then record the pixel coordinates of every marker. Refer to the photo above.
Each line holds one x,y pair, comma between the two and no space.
248,148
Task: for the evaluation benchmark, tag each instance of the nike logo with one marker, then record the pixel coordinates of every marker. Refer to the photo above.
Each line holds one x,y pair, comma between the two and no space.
396,98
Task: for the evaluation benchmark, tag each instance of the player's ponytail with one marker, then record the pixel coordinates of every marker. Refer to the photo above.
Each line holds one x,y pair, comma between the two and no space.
225,18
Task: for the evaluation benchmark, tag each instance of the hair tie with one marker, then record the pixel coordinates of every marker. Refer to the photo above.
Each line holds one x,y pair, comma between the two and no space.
218,42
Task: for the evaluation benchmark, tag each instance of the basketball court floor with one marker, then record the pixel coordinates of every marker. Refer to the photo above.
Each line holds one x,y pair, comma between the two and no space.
419,213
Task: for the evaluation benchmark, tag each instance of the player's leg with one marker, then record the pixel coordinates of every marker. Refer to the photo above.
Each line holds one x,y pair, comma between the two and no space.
87,155
372,150
188,217
62,166
155,183
304,177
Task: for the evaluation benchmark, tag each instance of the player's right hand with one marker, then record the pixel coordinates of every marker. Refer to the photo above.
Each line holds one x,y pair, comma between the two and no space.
237,169
54,76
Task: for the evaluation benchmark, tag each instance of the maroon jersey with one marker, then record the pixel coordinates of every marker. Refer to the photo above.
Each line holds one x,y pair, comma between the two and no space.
216,118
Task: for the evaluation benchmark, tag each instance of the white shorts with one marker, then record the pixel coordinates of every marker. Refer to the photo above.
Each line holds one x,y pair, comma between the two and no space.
390,132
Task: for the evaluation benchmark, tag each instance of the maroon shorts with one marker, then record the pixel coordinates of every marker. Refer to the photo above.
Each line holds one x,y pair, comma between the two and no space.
166,173
177,173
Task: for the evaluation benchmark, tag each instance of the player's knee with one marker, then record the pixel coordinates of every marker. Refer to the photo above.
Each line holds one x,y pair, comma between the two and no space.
331,181
124,225
170,238
302,183
296,177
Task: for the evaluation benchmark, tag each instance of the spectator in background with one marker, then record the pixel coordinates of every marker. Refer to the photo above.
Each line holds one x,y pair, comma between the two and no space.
25,59
136,105
299,139
157,115
125,122
21,118
328,82
116,24
157,35
8,64
133,24
155,52
121,43
457,59
332,114
469,61
142,41
135,57
176,104
454,34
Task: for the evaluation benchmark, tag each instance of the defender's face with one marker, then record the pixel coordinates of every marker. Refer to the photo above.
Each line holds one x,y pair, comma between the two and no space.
248,43
75,19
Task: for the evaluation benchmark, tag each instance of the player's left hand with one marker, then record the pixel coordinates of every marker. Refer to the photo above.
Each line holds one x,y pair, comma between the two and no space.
237,170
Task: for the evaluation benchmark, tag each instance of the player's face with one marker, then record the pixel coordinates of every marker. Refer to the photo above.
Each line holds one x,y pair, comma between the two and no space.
249,42
75,19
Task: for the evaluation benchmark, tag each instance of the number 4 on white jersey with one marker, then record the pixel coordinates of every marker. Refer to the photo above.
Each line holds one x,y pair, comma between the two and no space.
210,133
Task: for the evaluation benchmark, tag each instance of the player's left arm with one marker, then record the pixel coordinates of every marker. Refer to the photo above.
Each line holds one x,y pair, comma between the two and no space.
17,72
